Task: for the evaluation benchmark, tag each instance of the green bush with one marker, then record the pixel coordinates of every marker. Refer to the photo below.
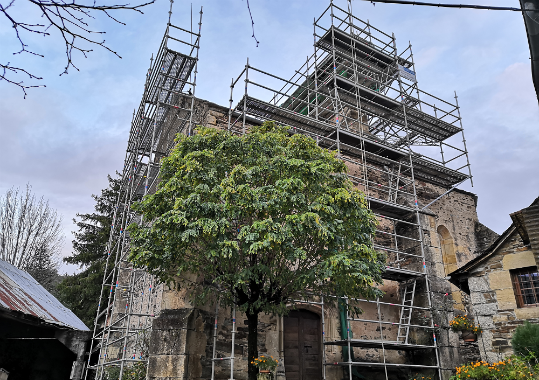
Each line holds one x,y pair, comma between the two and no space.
526,340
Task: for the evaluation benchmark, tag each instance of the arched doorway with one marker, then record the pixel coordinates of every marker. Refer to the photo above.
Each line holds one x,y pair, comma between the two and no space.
302,345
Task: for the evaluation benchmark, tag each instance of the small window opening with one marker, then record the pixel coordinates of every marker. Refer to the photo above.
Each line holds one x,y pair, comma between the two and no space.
526,286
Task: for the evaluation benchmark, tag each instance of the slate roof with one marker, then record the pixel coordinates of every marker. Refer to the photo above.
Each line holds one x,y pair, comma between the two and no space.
20,292
525,222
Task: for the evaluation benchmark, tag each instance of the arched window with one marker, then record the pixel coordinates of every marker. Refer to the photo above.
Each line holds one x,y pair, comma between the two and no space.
448,250
449,257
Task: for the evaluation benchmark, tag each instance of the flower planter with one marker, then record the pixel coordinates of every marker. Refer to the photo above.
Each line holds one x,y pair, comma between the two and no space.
468,336
264,375
266,366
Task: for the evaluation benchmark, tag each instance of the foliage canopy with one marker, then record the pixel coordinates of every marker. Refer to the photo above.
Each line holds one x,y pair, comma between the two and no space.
29,228
263,217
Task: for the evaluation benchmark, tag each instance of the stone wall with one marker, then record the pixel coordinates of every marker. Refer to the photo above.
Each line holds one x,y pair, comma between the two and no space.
494,304
455,214
484,237
469,351
181,344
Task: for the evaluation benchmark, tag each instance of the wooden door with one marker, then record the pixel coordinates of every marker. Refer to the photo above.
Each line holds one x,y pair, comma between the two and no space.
302,346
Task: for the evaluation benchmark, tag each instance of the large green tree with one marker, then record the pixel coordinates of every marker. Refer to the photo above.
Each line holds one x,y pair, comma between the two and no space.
80,292
265,218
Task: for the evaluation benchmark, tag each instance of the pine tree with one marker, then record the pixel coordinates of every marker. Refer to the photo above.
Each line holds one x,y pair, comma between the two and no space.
44,269
80,292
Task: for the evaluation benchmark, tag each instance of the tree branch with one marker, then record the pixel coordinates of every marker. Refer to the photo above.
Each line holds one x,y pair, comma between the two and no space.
16,70
252,23
70,19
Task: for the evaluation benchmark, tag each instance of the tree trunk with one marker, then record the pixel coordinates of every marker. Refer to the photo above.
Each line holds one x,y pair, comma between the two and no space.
252,345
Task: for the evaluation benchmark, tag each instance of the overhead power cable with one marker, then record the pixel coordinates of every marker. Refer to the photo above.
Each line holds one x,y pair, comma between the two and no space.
441,5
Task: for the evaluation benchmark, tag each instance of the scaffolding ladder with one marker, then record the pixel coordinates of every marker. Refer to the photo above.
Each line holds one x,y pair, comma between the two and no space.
406,311
230,358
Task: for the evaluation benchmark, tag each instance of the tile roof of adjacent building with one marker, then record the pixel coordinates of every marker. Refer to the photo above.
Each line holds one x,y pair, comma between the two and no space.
22,293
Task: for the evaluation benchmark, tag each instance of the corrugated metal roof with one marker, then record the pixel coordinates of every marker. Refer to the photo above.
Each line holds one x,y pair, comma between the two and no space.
21,292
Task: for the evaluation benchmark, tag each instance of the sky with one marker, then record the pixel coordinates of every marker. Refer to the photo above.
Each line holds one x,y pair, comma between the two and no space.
65,138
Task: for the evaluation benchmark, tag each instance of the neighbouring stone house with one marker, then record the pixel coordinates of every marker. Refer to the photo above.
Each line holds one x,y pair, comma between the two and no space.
503,283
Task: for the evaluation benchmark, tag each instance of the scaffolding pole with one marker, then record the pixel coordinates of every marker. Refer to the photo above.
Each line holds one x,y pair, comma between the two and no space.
357,96
130,297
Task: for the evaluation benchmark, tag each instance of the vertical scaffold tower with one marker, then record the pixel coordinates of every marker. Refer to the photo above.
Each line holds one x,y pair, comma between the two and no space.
129,296
358,96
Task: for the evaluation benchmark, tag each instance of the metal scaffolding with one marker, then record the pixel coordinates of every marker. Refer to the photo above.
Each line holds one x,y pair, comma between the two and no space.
228,359
358,96
355,95
130,298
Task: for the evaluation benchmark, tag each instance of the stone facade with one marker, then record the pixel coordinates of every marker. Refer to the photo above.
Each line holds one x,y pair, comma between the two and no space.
494,304
488,280
181,344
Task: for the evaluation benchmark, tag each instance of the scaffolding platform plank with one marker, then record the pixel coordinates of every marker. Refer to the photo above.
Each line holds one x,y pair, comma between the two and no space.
380,365
169,76
399,274
377,151
164,86
363,48
383,106
370,145
423,169
387,208
388,345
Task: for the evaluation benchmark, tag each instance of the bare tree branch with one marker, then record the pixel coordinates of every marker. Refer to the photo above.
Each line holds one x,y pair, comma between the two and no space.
16,70
252,23
29,228
72,20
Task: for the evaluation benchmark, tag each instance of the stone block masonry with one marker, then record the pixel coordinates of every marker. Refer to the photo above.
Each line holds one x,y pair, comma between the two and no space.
493,297
184,348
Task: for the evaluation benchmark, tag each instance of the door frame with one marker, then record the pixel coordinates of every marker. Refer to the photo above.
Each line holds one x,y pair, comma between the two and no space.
315,309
